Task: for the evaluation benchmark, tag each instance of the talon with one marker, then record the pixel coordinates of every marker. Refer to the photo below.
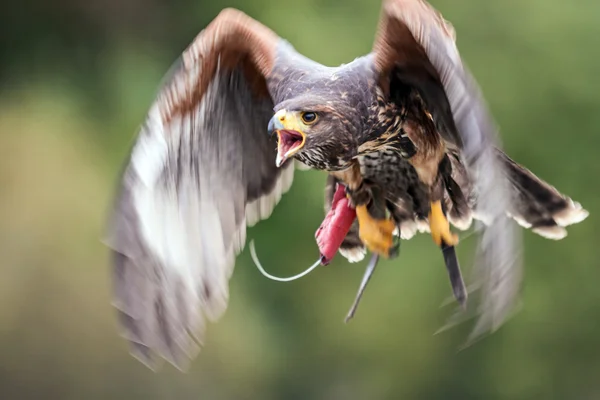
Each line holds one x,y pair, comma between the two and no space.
440,227
375,234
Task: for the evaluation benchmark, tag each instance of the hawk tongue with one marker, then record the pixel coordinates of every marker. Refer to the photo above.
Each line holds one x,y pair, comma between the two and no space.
335,226
289,141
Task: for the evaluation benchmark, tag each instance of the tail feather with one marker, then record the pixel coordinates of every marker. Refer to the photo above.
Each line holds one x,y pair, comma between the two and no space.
536,204
539,206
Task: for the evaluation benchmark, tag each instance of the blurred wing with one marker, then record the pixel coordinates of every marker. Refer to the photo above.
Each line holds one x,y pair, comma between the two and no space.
416,45
202,169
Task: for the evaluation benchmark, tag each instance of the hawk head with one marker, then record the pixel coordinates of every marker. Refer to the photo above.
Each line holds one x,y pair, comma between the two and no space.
321,135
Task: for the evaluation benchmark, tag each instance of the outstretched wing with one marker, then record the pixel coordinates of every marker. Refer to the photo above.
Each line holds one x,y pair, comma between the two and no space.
201,171
415,45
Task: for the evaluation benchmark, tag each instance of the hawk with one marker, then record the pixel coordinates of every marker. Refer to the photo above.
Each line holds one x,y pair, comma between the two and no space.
404,129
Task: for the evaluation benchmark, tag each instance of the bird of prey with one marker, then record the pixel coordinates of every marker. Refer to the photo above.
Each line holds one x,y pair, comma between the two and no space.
404,129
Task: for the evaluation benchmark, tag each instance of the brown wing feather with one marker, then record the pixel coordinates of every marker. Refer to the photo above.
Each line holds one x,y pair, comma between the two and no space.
417,46
202,169
405,28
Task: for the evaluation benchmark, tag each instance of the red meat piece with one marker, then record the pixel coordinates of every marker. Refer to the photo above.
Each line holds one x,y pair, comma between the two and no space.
335,226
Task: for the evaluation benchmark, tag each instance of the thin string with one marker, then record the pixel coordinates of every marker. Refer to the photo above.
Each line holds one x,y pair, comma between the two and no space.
276,278
312,267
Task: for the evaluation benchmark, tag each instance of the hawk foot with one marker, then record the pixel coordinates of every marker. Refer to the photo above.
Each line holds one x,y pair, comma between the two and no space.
376,234
440,227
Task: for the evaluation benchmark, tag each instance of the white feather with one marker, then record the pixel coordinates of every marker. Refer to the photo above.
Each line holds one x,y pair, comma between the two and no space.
462,223
572,215
408,229
520,221
150,152
354,255
553,232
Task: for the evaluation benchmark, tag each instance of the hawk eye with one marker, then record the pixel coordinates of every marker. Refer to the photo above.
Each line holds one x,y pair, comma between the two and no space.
309,117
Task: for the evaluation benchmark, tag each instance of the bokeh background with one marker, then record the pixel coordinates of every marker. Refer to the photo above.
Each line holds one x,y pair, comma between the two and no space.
76,78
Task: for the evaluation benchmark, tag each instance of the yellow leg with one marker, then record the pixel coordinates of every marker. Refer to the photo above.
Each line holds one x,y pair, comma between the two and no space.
440,227
376,234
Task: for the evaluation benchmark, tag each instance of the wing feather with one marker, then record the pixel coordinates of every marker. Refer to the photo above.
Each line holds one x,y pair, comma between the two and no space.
201,171
415,43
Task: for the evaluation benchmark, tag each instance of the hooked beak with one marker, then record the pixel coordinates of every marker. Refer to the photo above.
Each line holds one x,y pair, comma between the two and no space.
289,134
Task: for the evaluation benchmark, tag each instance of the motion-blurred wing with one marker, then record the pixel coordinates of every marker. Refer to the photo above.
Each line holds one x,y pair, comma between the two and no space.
415,45
202,169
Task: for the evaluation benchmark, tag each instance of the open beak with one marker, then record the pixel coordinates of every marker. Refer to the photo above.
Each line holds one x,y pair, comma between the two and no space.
289,134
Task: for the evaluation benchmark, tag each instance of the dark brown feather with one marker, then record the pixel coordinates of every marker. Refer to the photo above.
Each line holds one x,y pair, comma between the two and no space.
537,204
398,55
234,41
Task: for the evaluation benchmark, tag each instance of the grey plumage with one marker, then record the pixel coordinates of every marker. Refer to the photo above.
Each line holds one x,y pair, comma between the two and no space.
181,215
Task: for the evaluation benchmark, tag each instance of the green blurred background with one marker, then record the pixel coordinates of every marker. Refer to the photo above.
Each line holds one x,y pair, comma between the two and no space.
76,78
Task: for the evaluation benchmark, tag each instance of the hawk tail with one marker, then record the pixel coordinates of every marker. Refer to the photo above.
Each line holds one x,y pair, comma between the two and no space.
536,205
539,206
